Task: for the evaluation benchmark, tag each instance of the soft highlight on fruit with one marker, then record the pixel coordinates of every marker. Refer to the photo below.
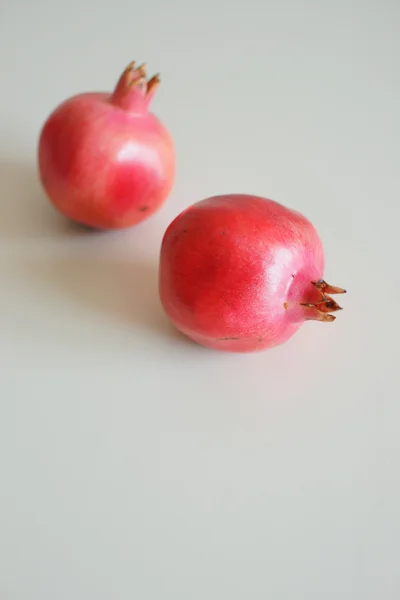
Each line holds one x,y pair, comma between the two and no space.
105,160
242,273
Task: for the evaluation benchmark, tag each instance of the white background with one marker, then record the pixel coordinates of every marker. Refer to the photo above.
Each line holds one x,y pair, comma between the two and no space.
133,463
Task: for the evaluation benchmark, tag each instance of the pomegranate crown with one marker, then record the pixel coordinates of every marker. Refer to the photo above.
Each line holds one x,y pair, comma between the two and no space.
320,310
133,90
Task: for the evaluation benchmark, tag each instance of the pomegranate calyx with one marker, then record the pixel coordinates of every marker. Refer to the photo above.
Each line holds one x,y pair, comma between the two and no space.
321,309
133,91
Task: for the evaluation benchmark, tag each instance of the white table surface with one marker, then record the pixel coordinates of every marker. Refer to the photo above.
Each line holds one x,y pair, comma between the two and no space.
134,464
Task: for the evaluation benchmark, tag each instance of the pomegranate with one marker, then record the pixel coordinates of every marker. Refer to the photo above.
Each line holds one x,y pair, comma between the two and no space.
105,161
241,273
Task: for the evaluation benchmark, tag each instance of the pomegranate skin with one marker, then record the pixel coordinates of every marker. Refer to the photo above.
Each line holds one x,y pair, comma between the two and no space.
241,273
104,160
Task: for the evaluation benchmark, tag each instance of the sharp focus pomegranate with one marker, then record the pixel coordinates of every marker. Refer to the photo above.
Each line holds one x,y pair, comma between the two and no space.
104,160
242,273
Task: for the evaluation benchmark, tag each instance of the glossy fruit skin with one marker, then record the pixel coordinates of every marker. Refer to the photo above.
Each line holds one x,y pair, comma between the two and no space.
236,271
104,160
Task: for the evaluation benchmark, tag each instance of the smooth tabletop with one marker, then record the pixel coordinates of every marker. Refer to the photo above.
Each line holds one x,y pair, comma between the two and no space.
134,464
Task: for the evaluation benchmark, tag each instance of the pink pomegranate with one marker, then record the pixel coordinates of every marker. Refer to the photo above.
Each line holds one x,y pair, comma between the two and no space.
104,160
242,273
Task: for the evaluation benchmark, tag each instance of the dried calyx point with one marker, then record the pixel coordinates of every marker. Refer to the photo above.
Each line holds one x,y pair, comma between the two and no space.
137,77
321,309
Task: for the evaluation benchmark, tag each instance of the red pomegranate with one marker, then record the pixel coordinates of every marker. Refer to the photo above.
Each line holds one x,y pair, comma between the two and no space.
242,273
104,160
